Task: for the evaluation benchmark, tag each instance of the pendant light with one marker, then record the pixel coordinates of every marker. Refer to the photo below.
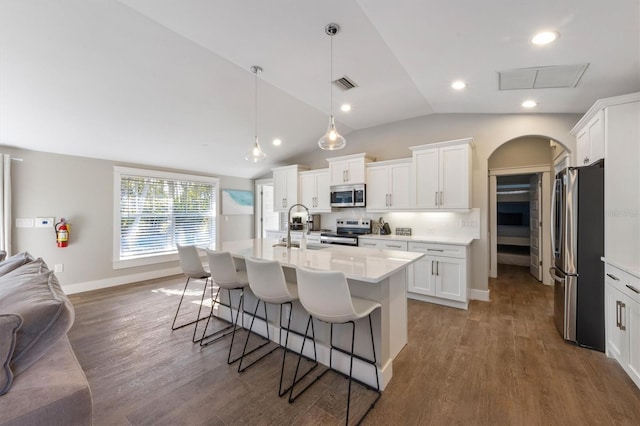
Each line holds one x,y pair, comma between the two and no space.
331,140
256,155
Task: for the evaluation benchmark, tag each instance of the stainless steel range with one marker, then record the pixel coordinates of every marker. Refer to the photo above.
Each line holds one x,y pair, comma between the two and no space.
347,231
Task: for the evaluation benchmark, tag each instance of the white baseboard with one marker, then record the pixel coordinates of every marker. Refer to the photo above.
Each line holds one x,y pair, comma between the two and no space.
475,294
121,280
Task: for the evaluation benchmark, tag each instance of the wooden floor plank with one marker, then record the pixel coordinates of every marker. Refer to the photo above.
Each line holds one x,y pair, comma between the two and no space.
499,363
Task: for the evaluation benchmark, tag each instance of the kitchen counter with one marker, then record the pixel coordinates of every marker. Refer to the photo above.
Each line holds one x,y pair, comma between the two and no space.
455,239
373,274
357,263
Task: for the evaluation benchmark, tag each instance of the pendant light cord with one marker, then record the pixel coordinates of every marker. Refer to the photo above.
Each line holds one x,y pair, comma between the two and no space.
330,78
256,106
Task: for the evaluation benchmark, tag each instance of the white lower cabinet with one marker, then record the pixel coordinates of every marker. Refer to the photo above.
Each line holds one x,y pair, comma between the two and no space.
622,312
441,274
439,277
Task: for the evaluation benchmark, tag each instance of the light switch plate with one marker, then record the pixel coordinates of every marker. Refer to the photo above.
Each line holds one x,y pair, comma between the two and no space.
24,223
44,222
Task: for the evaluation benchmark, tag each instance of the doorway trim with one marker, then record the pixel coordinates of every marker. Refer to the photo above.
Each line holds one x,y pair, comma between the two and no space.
545,171
259,183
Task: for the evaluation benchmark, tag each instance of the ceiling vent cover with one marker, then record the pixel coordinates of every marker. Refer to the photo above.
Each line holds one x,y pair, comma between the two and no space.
345,83
552,77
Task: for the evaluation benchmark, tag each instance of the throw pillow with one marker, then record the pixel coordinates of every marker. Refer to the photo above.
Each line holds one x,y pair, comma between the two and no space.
14,262
46,312
9,325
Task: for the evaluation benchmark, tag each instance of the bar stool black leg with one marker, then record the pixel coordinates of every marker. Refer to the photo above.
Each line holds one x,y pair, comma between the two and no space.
173,324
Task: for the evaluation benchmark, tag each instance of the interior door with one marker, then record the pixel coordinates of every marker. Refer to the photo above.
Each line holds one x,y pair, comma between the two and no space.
535,231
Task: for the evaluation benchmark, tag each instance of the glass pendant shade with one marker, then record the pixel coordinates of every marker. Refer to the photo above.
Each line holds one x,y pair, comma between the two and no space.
256,155
332,139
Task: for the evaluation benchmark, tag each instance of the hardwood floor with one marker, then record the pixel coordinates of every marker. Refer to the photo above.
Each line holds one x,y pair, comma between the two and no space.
499,363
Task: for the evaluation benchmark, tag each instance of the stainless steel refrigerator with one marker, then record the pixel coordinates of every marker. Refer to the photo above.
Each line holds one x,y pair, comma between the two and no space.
577,242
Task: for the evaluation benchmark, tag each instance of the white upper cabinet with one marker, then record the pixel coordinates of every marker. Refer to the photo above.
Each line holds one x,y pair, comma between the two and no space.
590,141
314,186
348,169
442,175
285,187
621,117
388,185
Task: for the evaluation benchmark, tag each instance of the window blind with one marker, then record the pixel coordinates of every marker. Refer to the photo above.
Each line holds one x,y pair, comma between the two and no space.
156,213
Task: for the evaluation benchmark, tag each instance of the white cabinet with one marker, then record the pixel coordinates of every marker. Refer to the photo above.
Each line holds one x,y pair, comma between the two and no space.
622,181
622,320
314,187
590,141
442,175
285,187
439,277
348,169
442,273
388,185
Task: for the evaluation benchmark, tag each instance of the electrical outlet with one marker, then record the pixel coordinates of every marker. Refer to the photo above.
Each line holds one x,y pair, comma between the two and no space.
59,267
469,223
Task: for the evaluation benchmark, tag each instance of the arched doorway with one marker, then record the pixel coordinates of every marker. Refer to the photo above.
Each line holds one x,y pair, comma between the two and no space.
520,172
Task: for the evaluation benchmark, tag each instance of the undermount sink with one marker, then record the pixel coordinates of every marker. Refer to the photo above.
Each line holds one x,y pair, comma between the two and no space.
310,246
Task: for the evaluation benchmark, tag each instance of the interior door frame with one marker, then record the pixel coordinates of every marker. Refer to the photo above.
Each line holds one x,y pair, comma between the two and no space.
545,215
258,205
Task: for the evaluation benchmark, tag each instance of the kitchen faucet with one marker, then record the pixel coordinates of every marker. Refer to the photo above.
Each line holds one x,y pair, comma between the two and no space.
289,222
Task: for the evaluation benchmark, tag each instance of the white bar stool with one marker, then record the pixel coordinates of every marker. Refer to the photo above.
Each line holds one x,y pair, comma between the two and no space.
225,275
192,267
268,284
326,296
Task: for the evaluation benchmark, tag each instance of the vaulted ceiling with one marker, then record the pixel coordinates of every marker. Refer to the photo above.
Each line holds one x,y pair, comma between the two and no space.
167,83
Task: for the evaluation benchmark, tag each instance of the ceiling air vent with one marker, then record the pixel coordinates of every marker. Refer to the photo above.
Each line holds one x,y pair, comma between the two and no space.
552,77
345,83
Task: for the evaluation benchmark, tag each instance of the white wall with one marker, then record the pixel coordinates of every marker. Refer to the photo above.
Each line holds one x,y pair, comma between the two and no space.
81,190
489,131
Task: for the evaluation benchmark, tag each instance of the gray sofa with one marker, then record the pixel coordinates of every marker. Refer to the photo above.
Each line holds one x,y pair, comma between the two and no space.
41,381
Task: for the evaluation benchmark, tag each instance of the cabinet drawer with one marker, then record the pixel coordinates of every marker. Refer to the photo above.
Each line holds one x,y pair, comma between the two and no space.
383,244
623,281
439,249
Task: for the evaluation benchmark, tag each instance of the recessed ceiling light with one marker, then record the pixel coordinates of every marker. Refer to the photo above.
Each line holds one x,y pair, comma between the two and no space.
458,84
277,142
529,104
345,107
544,37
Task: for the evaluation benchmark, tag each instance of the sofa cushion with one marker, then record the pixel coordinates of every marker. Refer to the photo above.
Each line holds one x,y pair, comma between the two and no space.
34,293
15,261
9,325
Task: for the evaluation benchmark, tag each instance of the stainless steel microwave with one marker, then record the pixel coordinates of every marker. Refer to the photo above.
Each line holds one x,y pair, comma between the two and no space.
348,195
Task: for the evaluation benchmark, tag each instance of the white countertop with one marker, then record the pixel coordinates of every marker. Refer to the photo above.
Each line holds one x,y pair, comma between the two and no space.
358,263
630,270
461,240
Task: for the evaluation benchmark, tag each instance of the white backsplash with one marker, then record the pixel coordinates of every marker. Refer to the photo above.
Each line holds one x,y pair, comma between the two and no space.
421,223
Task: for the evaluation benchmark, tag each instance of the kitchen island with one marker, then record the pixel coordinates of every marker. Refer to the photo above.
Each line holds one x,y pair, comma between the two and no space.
372,274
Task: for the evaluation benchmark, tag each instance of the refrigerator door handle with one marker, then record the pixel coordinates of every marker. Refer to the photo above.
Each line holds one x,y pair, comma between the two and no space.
552,271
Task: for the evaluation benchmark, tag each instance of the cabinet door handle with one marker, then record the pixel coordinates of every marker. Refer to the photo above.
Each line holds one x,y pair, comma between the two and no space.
438,268
613,277
622,306
586,160
618,313
436,198
632,288
440,250
432,264
393,246
390,201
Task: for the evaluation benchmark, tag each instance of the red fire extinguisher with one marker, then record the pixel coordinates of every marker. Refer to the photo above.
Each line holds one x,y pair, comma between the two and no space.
62,232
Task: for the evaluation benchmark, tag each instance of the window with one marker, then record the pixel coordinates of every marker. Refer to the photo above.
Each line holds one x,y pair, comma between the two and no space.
157,210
